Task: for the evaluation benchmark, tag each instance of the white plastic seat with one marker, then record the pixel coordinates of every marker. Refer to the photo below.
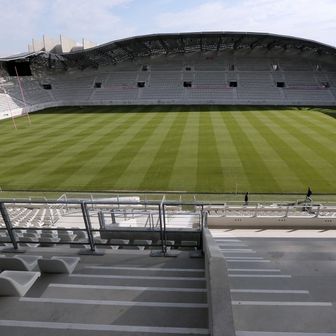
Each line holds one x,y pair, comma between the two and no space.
80,243
138,244
19,262
58,264
17,283
48,241
157,245
29,244
188,245
116,243
81,235
99,240
66,237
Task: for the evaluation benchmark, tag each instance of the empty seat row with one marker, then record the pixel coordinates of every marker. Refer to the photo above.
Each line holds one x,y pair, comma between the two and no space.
30,262
18,277
141,244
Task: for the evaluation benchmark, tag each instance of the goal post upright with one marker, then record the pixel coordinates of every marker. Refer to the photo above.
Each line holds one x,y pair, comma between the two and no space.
22,95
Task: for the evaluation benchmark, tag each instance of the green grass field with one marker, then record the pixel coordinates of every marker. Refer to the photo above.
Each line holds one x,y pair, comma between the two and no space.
186,148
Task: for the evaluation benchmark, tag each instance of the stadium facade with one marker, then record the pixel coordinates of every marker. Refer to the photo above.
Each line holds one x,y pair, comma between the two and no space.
189,68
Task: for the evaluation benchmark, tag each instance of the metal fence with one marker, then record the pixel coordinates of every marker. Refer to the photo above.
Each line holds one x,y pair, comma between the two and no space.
90,224
108,221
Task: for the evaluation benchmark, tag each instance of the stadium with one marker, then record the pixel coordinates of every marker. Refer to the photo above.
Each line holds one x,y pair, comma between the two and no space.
195,72
197,146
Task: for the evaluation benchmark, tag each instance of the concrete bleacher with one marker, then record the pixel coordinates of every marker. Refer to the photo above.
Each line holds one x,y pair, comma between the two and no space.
70,88
163,85
116,85
122,78
291,64
309,94
257,84
121,283
9,106
116,93
33,93
34,216
210,66
305,82
124,292
252,64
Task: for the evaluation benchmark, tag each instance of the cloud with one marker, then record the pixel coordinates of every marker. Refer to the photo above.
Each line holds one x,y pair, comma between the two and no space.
97,21
106,20
301,18
18,21
24,20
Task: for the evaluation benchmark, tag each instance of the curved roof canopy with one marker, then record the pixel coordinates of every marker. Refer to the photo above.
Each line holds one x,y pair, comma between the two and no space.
166,44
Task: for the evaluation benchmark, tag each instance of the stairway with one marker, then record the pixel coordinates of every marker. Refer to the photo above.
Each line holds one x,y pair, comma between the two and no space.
121,293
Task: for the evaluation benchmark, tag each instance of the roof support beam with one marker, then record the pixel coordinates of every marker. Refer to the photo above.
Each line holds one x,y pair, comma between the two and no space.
129,53
219,43
273,44
258,41
164,45
144,46
182,44
237,43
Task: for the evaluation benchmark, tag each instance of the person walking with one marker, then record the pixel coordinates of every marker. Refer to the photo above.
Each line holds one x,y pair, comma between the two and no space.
309,194
246,198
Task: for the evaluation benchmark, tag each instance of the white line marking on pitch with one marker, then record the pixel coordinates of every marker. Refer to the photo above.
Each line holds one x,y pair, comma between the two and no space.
129,288
116,303
102,327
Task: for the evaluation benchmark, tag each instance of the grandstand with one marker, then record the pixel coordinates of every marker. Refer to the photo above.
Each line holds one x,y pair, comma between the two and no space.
191,68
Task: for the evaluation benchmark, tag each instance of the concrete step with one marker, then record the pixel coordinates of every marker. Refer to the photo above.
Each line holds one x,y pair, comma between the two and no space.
150,271
107,312
114,295
59,329
123,293
92,279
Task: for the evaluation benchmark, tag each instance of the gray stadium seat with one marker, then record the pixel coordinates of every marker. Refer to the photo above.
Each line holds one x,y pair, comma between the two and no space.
19,262
17,283
58,264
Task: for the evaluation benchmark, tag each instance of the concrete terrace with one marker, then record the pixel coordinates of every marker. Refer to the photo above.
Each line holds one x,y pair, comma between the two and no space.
282,282
275,283
120,293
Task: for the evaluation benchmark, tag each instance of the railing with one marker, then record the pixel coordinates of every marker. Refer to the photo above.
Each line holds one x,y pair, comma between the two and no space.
93,223
306,210
87,221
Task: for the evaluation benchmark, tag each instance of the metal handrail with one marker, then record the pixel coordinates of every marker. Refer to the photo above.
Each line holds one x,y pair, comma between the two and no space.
163,209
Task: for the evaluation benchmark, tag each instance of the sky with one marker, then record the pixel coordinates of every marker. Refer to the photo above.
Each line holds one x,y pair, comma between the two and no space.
106,20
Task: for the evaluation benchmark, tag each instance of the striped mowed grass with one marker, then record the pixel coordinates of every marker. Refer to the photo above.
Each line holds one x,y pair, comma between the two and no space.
183,148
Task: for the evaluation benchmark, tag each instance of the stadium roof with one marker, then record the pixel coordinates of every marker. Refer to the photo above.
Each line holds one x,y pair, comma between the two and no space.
165,44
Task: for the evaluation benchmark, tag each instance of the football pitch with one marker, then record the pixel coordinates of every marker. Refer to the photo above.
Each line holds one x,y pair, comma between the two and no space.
167,148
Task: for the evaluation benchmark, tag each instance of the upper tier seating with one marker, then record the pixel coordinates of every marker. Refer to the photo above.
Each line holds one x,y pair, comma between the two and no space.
179,79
